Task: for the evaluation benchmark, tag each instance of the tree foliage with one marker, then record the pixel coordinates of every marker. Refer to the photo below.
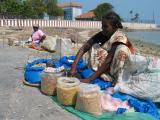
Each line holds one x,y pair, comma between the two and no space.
38,7
27,11
29,8
53,9
8,6
101,10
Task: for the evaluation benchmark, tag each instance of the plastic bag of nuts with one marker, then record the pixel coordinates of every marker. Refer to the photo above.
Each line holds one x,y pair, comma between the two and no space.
49,81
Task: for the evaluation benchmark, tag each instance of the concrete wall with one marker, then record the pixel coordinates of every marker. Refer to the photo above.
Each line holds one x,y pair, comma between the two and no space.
67,24
139,26
76,12
71,12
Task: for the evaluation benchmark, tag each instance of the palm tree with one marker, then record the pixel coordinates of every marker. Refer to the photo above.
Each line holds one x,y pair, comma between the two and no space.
136,17
131,13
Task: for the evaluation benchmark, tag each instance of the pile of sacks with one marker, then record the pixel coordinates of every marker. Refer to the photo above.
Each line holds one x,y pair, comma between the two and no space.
61,46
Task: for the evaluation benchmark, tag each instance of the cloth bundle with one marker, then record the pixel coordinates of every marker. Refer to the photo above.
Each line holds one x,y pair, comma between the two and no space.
32,73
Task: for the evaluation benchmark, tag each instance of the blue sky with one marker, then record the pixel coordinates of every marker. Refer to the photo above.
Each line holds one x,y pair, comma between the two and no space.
146,8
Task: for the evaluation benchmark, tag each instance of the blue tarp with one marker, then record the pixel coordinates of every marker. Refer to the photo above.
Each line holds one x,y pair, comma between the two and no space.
67,62
100,82
144,106
140,105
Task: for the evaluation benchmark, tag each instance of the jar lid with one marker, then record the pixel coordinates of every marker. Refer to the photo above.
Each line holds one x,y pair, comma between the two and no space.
85,88
68,81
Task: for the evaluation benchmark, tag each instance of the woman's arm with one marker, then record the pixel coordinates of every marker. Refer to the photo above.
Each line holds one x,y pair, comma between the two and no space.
103,68
42,38
86,47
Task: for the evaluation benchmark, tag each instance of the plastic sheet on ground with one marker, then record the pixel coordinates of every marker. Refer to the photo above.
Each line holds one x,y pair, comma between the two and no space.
67,62
143,106
100,82
106,115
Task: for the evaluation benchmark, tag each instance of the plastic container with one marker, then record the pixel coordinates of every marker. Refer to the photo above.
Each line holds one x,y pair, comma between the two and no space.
49,81
88,99
67,88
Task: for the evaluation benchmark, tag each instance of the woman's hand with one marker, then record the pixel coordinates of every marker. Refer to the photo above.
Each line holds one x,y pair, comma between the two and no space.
72,72
87,80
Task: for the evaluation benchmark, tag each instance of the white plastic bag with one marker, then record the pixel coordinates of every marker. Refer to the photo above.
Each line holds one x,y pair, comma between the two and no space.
49,43
64,46
141,78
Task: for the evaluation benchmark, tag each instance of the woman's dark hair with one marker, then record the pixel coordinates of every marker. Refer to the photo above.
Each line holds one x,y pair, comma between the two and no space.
114,18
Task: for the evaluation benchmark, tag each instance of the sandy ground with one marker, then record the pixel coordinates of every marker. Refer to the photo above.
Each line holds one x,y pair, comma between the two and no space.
78,35
21,102
18,101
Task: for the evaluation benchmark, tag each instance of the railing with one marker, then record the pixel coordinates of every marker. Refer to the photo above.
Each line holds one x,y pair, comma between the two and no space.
67,24
49,23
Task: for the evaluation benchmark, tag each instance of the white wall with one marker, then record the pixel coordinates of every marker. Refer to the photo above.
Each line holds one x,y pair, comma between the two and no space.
76,12
139,26
67,24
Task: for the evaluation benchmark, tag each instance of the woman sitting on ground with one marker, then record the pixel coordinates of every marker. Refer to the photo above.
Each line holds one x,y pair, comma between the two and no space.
37,36
130,73
114,49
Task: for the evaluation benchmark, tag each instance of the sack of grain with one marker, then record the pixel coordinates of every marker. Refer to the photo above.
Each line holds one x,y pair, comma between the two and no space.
49,44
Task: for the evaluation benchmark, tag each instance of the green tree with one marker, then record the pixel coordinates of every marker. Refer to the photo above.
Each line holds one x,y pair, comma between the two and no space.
27,10
50,1
38,7
136,17
53,9
131,13
10,7
18,8
30,8
101,10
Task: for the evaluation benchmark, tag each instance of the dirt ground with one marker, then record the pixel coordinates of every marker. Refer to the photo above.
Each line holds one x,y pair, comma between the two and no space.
18,101
77,35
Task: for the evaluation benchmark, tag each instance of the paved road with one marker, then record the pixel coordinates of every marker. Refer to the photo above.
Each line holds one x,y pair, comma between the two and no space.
20,102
